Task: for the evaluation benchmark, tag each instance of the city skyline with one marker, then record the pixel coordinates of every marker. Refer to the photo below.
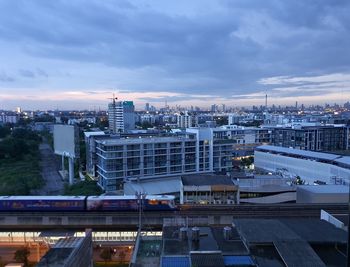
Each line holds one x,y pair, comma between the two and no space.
188,54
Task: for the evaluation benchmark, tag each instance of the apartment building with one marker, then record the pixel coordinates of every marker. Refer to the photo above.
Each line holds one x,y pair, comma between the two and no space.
114,159
312,137
140,158
121,116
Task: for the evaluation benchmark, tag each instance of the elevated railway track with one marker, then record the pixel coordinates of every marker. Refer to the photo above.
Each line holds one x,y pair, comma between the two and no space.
199,215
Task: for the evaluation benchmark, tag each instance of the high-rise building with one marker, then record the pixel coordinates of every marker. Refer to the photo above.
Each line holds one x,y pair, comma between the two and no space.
121,116
184,120
147,107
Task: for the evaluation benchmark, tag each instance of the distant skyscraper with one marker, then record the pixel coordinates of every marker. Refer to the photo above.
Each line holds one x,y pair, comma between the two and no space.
223,108
121,116
147,108
18,110
213,108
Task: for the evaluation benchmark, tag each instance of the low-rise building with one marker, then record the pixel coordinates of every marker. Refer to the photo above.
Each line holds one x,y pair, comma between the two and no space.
310,166
208,189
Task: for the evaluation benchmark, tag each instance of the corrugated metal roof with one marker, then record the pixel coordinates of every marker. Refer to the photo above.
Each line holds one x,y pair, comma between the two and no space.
299,152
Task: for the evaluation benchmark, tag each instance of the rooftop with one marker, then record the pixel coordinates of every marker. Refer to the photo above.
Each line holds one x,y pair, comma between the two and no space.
299,152
325,189
141,140
292,242
164,185
206,179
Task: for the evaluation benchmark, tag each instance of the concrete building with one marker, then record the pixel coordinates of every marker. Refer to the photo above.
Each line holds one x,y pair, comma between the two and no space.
322,194
208,189
246,242
196,150
184,120
119,159
9,118
316,137
230,141
91,157
266,189
308,165
121,116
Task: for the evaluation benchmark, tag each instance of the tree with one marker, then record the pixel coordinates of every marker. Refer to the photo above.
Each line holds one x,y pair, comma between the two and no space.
106,254
246,162
299,181
83,188
21,255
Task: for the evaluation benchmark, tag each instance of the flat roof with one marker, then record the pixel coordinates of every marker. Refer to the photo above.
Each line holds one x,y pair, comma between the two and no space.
142,140
153,186
343,160
263,230
88,134
234,246
206,179
299,152
325,189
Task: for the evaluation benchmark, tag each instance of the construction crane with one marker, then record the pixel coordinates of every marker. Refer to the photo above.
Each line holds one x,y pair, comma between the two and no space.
113,99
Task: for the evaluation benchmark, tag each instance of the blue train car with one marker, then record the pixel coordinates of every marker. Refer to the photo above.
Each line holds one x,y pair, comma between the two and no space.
42,203
129,203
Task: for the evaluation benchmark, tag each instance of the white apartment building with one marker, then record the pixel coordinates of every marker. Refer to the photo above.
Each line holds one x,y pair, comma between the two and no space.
198,150
140,158
184,120
121,116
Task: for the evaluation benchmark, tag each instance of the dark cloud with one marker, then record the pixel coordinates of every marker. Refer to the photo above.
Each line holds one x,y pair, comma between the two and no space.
42,73
225,50
27,73
5,78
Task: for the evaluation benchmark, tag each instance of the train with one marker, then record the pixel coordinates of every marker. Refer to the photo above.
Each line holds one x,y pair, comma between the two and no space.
86,203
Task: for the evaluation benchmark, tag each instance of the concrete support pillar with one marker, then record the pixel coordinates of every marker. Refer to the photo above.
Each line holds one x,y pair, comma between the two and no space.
71,170
63,168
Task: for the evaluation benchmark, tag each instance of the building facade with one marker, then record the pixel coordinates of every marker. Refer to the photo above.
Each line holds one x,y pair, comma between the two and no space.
315,138
139,158
196,150
184,120
308,165
121,116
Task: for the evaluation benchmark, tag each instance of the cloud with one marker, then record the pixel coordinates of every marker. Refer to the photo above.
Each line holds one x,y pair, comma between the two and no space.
27,73
5,78
232,48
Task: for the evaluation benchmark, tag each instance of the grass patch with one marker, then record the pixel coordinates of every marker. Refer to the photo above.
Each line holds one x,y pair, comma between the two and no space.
19,177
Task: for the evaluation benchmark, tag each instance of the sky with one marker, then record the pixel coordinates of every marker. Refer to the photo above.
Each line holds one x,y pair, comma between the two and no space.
75,54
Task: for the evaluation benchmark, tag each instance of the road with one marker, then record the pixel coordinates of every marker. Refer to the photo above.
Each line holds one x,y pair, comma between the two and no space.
7,251
54,184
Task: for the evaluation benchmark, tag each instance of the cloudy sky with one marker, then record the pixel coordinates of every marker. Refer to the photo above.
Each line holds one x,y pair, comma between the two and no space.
75,54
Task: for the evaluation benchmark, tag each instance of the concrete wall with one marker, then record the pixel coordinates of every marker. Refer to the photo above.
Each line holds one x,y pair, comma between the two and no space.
308,170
